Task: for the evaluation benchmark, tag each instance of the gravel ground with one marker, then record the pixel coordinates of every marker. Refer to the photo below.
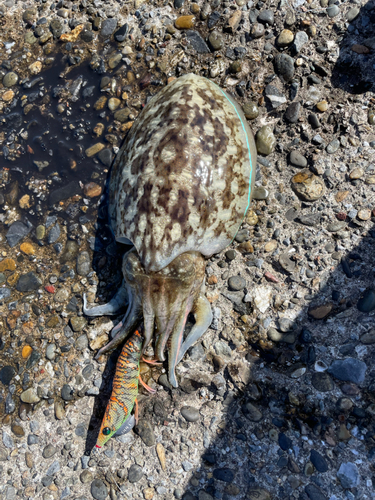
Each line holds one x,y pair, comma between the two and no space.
277,400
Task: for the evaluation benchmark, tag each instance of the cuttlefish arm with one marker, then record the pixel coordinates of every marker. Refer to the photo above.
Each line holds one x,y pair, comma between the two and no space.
118,302
203,318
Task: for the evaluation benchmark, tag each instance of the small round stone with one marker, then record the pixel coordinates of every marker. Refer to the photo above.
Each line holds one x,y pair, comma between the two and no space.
333,11
190,413
308,186
322,106
236,283
285,38
10,79
265,140
266,17
99,490
297,159
135,473
215,41
113,103
49,451
250,110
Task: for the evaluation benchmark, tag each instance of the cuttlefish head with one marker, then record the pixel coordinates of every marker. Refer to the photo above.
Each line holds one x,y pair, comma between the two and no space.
167,297
164,299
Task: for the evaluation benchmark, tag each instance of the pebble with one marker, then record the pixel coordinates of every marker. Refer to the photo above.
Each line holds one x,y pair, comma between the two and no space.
333,11
356,173
320,312
215,41
265,140
190,413
17,231
54,234
308,186
258,494
236,283
275,96
318,461
250,110
266,17
297,159
367,302
135,473
93,150
252,413
122,115
99,490
7,440
292,112
78,323
108,26
322,382
67,393
348,370
352,14
114,61
233,22
30,396
146,432
368,338
285,38
284,67
10,79
49,451
314,493
6,374
333,146
285,442
257,30
197,42
185,22
224,474
286,263
348,475
300,39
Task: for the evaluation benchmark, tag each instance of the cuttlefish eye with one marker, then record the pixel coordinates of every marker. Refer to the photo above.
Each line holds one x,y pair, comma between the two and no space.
106,431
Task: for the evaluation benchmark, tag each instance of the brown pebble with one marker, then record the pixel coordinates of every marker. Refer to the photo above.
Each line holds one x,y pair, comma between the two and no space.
233,22
17,430
29,459
12,319
148,493
212,280
161,455
27,248
185,22
91,151
357,173
320,312
73,35
7,265
270,246
92,190
364,214
246,247
322,106
360,49
341,195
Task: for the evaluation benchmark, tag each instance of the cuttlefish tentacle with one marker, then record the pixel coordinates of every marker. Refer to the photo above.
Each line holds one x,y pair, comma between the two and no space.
203,318
167,331
131,321
148,319
176,341
118,302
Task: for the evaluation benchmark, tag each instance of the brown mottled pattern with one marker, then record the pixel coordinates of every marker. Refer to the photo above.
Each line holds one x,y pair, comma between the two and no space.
181,179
